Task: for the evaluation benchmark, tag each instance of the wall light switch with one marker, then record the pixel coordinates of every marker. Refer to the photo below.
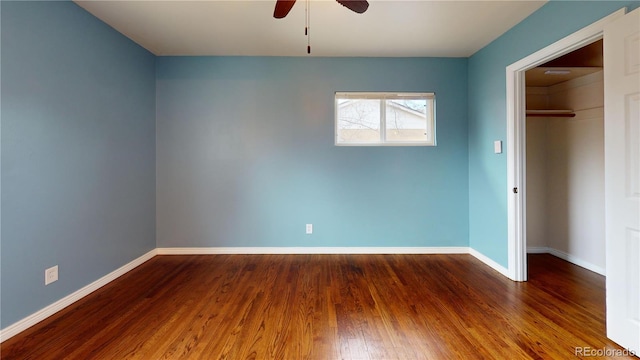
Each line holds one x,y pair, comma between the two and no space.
497,147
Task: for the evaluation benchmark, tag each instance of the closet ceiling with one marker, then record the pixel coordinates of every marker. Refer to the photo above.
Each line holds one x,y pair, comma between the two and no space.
578,63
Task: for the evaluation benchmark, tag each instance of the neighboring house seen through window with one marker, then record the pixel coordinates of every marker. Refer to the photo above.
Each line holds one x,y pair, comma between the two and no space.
383,119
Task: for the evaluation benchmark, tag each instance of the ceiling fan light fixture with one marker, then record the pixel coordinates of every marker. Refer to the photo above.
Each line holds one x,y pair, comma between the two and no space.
283,7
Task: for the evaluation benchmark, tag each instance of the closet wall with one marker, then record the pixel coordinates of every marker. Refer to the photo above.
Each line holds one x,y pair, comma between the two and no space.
565,172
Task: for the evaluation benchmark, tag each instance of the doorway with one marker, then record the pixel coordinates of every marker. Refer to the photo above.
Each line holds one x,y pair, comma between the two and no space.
565,158
516,132
622,136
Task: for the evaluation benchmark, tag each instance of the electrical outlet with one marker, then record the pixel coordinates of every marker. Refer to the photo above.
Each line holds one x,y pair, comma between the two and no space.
51,275
309,229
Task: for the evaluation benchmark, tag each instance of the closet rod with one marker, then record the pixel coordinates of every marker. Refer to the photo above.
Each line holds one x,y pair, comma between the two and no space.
551,113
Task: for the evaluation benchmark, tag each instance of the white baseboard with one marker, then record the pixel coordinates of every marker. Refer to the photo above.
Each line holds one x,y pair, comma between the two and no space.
574,260
312,250
538,250
42,314
336,250
568,257
492,264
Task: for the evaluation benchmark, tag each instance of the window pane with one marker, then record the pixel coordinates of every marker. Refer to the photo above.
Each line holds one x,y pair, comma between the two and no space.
406,120
358,120
385,119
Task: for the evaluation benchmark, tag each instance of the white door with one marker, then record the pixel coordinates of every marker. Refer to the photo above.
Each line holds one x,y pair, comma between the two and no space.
622,179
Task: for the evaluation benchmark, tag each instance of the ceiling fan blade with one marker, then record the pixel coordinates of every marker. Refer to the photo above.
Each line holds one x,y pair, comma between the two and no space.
282,8
358,6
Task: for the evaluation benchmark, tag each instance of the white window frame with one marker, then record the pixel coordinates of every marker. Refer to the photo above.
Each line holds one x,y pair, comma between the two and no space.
383,96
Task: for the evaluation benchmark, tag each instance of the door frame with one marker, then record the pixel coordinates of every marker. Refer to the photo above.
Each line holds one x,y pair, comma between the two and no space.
516,137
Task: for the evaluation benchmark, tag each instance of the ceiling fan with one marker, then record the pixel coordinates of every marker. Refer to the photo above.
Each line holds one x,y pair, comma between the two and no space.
284,6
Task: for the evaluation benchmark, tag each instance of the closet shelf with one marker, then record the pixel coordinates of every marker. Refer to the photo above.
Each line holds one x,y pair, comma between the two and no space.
551,113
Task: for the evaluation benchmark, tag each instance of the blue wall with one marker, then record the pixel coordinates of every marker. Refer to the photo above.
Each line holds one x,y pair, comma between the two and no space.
78,152
246,155
487,111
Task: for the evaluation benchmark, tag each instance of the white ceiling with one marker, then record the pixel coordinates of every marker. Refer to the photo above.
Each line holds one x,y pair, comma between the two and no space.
389,28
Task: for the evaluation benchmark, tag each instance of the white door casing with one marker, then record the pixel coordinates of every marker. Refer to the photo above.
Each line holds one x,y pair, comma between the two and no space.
622,179
516,135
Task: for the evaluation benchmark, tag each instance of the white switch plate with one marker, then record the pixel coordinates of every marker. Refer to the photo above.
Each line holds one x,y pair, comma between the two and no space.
51,275
309,229
497,147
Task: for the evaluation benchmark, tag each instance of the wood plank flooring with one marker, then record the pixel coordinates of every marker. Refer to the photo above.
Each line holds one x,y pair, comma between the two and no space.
327,307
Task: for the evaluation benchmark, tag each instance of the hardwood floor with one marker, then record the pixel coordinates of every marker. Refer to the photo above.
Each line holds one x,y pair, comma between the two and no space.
327,307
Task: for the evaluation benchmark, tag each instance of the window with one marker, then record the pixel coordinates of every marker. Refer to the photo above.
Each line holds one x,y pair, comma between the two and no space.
385,119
